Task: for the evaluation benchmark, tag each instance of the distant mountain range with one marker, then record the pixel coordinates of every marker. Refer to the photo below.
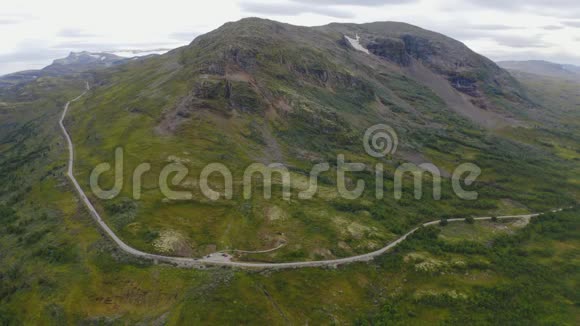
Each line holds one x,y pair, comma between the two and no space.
75,62
543,68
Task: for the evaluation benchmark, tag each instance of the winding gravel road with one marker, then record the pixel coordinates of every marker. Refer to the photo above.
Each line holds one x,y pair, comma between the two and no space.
203,262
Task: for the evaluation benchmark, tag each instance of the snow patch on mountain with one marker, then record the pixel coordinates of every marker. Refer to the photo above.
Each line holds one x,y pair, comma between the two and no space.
355,43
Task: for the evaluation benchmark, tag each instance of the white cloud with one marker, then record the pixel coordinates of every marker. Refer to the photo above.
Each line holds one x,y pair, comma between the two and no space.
75,33
575,23
553,27
361,3
293,9
184,36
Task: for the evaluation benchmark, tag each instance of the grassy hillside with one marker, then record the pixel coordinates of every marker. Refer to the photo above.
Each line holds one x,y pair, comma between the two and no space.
557,128
68,273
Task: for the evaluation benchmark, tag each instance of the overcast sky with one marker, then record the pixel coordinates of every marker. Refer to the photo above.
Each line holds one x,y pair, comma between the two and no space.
34,32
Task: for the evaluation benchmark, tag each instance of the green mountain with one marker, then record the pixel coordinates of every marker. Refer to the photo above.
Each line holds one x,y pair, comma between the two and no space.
262,91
